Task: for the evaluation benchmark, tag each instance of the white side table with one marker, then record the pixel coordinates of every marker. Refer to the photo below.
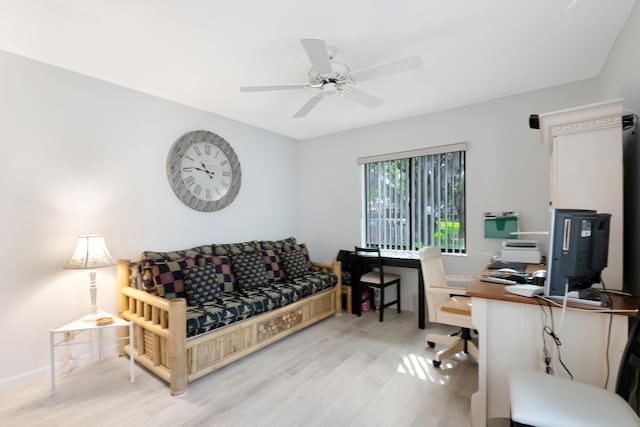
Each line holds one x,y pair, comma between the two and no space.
82,325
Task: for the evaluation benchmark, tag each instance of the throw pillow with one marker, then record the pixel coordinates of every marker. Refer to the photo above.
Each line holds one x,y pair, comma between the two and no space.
302,248
155,256
276,244
224,275
169,279
271,258
200,284
235,248
249,270
294,264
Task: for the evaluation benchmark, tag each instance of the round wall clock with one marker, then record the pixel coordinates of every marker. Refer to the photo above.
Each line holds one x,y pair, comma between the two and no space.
204,171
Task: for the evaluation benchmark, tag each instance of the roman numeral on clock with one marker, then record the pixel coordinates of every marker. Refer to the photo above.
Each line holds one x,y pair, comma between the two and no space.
190,180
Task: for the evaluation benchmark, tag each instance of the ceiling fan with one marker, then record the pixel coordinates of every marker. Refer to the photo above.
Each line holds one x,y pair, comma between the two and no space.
331,77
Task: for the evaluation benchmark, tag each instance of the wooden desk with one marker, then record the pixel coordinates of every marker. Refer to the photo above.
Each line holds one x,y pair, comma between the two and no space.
510,334
496,291
406,259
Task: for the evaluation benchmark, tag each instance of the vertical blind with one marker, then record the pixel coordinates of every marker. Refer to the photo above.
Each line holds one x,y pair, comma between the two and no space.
415,202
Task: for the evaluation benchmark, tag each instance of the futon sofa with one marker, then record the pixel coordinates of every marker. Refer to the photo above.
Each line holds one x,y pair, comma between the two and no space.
198,309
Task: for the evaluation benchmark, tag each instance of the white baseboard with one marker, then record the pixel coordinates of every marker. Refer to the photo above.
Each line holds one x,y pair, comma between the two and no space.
43,374
27,378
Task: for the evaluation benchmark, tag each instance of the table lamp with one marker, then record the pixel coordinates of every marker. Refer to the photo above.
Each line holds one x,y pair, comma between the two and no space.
91,252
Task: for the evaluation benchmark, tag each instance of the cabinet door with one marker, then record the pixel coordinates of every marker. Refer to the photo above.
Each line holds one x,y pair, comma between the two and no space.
587,170
587,174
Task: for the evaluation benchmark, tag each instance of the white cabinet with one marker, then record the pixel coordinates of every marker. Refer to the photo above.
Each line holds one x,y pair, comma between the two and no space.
585,145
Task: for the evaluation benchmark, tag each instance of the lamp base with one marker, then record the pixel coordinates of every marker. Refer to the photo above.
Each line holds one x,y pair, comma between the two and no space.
93,292
94,314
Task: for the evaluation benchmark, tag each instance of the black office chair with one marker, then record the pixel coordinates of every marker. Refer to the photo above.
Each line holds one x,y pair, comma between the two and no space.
377,278
538,399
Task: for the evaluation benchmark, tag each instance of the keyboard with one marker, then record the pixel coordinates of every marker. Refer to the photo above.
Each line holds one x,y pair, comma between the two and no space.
497,265
492,279
596,303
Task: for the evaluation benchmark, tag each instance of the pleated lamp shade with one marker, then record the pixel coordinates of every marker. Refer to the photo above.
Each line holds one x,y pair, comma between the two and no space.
91,252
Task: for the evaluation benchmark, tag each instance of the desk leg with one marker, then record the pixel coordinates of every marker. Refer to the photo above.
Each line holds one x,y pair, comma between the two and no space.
356,297
421,299
131,350
52,353
479,317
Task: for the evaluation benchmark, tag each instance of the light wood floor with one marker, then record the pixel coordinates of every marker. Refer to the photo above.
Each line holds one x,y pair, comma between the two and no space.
344,371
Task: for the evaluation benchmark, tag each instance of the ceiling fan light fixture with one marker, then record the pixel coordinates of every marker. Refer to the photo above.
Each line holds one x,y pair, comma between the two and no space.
339,72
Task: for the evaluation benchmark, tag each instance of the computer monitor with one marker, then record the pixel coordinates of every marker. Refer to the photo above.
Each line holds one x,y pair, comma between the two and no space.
578,250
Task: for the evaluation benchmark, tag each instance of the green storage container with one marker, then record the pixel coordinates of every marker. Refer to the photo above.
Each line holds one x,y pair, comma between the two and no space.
500,227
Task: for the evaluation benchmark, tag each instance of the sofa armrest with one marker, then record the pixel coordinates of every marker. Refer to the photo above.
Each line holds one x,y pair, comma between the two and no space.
336,268
161,330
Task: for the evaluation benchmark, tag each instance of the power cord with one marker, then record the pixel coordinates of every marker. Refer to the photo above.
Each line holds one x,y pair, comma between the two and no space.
545,352
550,331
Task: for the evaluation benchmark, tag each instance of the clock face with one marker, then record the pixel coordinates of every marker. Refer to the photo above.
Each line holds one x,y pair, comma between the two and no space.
204,171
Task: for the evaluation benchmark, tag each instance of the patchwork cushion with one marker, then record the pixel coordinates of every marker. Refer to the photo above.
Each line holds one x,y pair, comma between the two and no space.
235,248
224,274
271,260
216,314
300,247
294,264
169,279
249,270
200,284
236,306
177,255
276,244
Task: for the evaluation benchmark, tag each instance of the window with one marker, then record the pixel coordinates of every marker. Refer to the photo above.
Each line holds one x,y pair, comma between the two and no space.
416,201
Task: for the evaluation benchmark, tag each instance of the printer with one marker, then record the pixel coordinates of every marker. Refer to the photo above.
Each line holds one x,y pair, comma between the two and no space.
521,251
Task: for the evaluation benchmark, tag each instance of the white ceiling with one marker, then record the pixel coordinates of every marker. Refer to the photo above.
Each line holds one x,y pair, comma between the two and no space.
199,52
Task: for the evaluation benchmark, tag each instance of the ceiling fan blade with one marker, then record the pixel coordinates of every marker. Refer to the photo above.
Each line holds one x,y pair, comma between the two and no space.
267,88
318,55
388,69
310,105
364,98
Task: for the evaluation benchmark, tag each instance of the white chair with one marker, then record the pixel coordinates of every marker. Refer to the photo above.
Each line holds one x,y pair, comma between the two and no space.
542,400
447,304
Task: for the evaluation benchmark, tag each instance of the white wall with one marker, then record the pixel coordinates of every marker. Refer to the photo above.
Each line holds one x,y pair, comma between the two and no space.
507,168
83,156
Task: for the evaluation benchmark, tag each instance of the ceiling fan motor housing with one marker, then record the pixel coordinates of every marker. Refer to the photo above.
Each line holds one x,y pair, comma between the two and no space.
340,75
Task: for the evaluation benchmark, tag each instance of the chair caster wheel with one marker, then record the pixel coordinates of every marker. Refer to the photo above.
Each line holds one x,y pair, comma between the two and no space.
431,344
436,364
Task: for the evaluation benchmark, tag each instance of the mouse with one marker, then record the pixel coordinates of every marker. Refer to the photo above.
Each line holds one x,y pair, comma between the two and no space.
507,270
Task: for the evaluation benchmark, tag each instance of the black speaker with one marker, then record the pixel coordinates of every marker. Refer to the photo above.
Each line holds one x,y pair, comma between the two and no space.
534,121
